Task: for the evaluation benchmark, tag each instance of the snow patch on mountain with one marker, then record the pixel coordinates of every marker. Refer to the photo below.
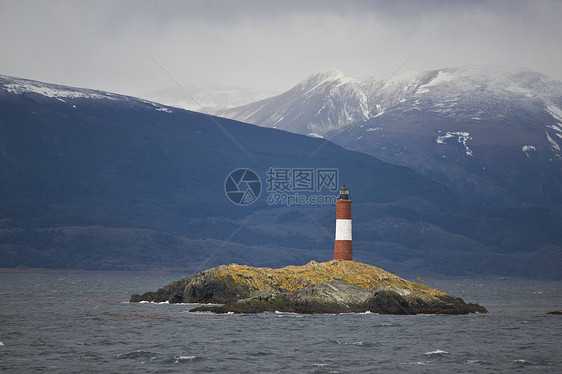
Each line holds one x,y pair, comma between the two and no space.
162,109
462,137
69,95
555,145
519,90
57,92
554,111
527,150
315,135
556,127
442,77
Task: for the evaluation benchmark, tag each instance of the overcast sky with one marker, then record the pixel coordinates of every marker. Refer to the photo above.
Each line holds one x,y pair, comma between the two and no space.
267,44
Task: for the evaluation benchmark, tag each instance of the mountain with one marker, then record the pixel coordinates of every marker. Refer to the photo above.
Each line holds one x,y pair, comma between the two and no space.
489,133
95,180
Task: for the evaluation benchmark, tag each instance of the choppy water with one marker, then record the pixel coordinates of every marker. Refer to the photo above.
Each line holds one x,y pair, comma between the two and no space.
67,323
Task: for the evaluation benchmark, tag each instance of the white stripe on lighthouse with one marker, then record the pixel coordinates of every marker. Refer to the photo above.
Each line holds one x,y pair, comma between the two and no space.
343,229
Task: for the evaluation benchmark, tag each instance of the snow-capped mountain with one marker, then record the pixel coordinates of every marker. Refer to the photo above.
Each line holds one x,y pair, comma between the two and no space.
491,133
322,102
330,100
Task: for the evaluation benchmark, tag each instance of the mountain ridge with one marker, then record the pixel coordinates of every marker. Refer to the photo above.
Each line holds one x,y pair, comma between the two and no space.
381,93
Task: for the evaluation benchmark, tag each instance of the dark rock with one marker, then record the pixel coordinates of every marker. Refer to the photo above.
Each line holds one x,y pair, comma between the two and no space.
204,287
339,297
387,302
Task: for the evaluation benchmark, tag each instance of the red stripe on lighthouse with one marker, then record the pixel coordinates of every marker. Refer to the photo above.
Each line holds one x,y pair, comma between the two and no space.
343,249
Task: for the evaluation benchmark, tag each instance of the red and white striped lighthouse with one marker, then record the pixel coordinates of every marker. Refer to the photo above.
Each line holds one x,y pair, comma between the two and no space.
343,249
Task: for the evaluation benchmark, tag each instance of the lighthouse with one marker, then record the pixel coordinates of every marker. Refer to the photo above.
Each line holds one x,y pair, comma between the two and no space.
342,249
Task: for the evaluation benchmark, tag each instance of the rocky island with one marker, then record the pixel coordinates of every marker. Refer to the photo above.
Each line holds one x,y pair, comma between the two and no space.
329,287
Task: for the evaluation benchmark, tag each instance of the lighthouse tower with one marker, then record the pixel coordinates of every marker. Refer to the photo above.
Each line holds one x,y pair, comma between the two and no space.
342,249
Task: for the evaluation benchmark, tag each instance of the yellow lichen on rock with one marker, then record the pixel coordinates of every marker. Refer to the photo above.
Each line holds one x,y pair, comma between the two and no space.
292,278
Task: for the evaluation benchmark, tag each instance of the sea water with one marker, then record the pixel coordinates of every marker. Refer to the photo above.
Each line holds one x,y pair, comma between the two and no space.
83,322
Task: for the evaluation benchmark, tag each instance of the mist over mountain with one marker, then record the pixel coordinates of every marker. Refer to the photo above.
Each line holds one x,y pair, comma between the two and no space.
210,98
95,180
489,133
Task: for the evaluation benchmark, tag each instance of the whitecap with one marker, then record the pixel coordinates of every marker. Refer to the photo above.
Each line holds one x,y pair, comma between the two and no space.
154,302
319,365
288,314
1,344
184,358
138,355
437,352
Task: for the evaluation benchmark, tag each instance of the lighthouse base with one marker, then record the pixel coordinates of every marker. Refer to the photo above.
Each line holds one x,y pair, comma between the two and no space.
343,250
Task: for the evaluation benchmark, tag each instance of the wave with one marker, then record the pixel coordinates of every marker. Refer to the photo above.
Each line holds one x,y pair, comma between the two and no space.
153,302
522,362
174,304
288,314
137,355
388,324
437,352
185,358
356,343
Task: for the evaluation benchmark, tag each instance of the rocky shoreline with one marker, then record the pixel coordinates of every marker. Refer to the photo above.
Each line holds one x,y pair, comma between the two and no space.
329,287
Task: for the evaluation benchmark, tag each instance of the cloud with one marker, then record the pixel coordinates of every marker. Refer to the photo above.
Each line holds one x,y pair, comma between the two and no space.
268,44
